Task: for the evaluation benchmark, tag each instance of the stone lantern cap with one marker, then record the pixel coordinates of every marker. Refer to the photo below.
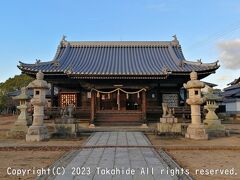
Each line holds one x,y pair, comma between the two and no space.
212,97
23,95
39,82
194,82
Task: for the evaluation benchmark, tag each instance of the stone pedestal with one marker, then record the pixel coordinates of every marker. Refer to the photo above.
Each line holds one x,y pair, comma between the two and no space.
168,120
169,128
196,129
214,124
38,131
66,130
197,132
168,123
215,129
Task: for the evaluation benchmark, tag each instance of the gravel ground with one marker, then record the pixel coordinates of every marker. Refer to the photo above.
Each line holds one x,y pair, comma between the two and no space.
203,159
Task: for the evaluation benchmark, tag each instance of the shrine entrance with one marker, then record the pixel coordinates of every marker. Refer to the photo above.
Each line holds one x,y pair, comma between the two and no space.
110,102
118,105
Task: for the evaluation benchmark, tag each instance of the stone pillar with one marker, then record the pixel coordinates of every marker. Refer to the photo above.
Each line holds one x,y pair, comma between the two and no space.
144,109
38,131
196,129
19,129
195,114
92,110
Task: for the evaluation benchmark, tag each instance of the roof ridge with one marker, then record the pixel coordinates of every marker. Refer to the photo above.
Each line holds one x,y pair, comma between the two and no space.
37,63
120,43
200,63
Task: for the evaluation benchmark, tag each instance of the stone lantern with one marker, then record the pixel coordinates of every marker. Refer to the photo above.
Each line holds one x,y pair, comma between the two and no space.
38,131
212,123
196,129
20,127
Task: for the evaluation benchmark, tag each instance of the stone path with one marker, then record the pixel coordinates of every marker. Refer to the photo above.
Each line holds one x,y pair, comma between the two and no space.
91,163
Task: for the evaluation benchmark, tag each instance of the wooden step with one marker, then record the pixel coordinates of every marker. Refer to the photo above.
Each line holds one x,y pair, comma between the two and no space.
118,118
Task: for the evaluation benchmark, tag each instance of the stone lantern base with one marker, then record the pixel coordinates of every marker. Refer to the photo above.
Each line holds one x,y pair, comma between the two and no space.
213,124
215,128
18,131
197,132
37,133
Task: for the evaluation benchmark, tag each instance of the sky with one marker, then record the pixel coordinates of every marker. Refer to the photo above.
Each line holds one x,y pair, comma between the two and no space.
208,30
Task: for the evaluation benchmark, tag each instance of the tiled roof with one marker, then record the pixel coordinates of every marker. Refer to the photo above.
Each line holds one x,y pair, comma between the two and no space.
119,58
235,81
30,92
232,92
209,84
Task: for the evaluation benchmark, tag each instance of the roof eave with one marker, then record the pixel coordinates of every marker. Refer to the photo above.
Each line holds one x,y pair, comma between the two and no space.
79,76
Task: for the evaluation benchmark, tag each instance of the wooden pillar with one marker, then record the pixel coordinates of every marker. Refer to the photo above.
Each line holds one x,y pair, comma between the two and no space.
144,108
52,95
118,100
92,110
84,99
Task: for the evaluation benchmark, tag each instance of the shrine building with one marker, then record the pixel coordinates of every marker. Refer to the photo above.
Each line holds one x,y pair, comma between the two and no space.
118,82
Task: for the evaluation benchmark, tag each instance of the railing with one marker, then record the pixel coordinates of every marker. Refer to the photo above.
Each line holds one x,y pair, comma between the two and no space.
154,112
177,110
79,112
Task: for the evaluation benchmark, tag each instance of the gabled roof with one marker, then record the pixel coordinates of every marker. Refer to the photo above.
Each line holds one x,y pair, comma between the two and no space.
233,90
235,81
119,59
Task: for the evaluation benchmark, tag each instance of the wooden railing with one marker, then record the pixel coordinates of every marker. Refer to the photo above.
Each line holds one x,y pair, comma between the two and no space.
177,110
79,112
155,112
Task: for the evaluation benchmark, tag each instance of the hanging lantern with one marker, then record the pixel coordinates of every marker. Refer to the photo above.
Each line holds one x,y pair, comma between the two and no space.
138,95
127,96
98,94
88,95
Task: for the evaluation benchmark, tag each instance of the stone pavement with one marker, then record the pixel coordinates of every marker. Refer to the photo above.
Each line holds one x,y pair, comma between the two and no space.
128,163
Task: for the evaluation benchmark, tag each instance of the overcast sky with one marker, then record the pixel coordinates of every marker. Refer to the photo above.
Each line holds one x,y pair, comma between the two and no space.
207,30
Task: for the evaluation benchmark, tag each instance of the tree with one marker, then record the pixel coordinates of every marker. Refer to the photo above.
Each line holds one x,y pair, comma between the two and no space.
15,83
12,84
3,100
